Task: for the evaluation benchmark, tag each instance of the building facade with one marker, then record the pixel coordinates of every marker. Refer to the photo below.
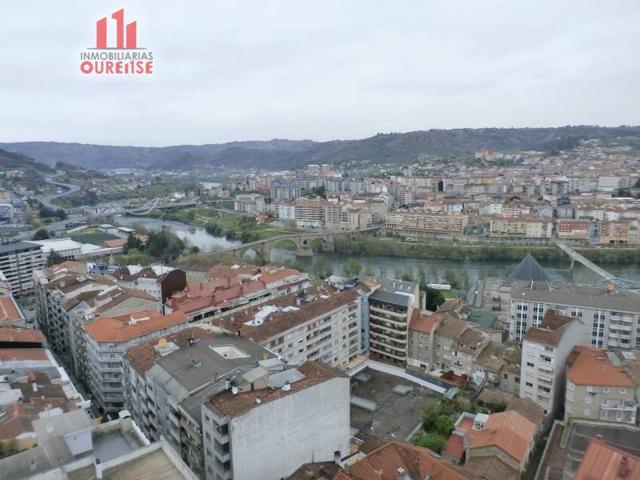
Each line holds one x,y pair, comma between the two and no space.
107,339
544,353
391,307
299,416
607,317
602,385
18,262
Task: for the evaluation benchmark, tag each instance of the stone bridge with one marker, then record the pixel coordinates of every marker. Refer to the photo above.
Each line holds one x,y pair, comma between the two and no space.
302,243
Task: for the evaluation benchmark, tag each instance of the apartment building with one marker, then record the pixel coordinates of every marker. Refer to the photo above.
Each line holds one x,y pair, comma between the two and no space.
10,313
233,289
391,306
544,353
607,317
285,190
319,324
250,203
167,381
521,227
421,351
310,213
267,427
32,384
614,232
67,300
498,366
18,261
574,229
417,223
458,344
71,446
602,386
107,339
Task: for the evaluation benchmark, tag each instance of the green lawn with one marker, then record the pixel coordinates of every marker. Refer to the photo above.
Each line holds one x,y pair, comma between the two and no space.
92,235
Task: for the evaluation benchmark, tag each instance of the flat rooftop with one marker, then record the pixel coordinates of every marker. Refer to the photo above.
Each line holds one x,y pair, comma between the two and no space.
153,466
113,444
397,415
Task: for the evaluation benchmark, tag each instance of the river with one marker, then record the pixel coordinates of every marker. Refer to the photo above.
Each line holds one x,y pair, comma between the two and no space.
192,236
389,266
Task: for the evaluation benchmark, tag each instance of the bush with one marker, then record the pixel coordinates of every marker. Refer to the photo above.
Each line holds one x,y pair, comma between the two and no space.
432,441
41,234
434,298
444,425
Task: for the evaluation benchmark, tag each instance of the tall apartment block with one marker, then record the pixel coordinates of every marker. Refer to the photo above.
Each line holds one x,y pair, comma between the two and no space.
18,261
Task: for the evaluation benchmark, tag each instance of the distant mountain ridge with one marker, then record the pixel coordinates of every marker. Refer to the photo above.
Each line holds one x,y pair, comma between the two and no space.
11,160
394,148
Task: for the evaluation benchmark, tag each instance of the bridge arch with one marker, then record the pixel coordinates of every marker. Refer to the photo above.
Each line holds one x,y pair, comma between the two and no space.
286,244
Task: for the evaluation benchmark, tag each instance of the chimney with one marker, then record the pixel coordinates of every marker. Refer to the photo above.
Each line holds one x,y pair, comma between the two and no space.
402,474
623,469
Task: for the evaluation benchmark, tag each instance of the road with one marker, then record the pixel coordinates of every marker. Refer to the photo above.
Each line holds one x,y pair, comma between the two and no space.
475,296
46,201
69,190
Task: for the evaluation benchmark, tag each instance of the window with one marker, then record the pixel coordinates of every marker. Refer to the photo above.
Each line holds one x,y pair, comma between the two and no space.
605,389
529,364
571,386
587,399
529,384
623,390
587,412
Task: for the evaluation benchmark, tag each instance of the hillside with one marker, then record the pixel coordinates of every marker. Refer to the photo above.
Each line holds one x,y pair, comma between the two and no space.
9,160
395,148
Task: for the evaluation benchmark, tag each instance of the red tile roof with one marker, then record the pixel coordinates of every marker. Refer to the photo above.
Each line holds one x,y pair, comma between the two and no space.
280,321
417,462
20,354
590,366
508,431
421,322
21,335
125,327
8,310
604,462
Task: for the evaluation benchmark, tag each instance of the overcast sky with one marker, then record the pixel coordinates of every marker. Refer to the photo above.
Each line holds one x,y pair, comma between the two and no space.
240,70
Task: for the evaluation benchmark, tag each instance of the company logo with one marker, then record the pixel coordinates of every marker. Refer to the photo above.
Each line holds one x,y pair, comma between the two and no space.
124,57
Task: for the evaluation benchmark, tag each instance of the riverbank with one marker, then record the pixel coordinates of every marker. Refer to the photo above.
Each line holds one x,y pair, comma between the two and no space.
450,250
220,224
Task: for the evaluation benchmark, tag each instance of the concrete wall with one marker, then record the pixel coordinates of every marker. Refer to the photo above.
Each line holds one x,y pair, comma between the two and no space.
274,439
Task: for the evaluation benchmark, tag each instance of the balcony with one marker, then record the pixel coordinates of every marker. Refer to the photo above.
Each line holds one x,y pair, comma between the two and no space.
222,453
546,369
619,406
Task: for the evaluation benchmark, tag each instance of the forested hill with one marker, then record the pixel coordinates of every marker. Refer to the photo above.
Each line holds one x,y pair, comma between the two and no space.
396,148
